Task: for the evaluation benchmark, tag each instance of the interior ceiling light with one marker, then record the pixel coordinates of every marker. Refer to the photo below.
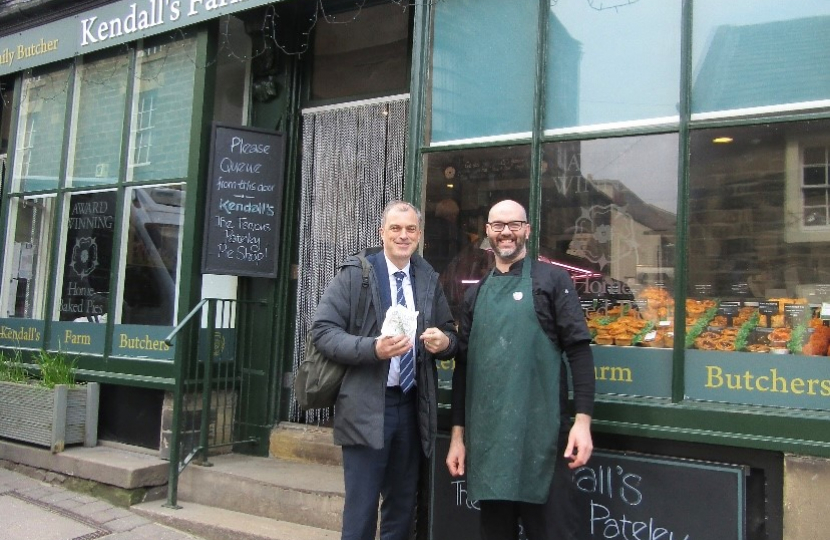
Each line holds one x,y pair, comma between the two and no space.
722,140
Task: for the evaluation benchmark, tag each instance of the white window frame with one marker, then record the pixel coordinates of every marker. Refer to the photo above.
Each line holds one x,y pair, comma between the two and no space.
795,230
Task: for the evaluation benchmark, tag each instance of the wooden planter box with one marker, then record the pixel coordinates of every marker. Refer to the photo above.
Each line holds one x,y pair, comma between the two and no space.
51,417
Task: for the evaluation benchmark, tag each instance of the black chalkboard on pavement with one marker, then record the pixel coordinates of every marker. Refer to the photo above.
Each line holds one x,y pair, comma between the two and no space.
621,496
244,198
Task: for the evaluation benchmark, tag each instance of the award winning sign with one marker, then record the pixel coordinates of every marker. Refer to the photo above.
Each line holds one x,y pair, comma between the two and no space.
242,221
86,268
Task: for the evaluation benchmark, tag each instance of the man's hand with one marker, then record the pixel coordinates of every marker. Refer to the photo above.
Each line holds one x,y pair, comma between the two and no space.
580,443
435,340
391,346
457,452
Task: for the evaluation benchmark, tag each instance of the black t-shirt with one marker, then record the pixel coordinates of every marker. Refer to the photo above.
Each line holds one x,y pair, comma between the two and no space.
560,315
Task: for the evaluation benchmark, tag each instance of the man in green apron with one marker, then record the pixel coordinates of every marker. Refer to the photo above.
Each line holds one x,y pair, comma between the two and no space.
510,427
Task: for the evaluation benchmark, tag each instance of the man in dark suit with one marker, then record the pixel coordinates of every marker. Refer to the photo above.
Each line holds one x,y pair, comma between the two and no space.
386,413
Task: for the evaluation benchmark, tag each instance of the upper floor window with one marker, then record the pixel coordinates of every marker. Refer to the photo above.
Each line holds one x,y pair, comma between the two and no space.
815,187
144,128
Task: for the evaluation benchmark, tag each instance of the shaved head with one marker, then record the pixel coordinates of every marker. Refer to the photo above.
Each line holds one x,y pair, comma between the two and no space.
507,207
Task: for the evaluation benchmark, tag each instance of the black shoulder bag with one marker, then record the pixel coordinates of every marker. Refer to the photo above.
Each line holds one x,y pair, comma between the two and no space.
318,378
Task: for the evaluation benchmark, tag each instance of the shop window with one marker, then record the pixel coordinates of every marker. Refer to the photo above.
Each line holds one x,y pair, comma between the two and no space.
153,250
483,74
40,130
27,257
460,189
612,64
95,150
162,110
758,55
361,53
609,217
130,281
758,238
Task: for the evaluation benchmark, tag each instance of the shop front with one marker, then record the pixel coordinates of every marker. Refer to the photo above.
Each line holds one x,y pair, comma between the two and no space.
673,157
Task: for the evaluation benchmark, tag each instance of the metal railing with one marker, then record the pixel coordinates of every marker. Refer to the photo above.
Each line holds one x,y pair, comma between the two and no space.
212,386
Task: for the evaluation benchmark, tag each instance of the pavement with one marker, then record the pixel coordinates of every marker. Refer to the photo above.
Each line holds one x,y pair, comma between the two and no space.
32,509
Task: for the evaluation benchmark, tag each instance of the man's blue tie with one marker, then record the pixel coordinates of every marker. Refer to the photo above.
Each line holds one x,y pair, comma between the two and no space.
407,378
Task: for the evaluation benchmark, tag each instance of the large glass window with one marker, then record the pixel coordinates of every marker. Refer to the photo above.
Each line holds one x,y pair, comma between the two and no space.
609,218
130,280
152,254
101,91
759,239
39,142
612,63
483,66
162,110
759,53
460,189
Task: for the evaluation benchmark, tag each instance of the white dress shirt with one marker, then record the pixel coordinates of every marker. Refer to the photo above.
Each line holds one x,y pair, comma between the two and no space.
395,362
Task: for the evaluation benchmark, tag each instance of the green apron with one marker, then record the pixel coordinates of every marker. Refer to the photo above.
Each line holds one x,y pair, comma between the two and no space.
512,406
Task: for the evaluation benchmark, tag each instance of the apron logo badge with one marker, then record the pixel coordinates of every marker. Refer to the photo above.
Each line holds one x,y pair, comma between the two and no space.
517,295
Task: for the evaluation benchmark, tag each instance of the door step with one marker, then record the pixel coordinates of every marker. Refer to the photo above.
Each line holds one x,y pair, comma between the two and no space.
214,523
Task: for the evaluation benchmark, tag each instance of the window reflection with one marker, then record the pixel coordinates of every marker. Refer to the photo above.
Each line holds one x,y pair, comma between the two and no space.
101,87
758,240
40,130
162,109
153,252
482,77
748,53
609,218
609,64
460,189
27,257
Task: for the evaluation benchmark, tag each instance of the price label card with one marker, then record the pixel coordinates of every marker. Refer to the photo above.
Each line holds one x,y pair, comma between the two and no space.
728,308
703,289
825,311
796,312
768,308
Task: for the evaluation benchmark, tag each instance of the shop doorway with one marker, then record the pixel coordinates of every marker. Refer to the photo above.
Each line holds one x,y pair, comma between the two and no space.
353,164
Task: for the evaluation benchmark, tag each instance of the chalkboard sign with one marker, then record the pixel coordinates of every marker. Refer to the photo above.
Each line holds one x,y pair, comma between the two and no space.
245,184
88,258
620,496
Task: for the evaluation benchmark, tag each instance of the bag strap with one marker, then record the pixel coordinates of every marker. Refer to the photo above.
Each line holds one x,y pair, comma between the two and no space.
364,292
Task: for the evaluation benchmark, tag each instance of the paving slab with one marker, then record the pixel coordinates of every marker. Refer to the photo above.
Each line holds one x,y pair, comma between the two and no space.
25,520
34,510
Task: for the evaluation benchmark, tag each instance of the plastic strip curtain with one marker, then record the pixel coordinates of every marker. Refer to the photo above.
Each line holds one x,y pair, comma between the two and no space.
352,165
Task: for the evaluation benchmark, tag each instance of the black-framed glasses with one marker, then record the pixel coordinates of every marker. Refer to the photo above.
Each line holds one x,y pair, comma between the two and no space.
498,226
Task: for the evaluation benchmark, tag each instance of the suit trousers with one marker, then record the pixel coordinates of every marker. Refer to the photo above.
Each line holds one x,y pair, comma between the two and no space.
389,475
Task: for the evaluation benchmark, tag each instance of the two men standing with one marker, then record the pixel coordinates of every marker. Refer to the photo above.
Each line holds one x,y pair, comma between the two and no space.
510,434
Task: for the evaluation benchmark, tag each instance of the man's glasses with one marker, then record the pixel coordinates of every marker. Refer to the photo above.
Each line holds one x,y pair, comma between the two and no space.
514,226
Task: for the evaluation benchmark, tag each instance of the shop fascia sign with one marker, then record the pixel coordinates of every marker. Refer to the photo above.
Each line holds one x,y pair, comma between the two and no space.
107,26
